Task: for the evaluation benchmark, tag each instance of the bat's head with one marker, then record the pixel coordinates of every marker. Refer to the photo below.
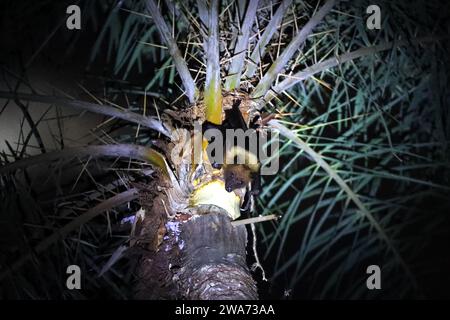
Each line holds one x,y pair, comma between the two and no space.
236,176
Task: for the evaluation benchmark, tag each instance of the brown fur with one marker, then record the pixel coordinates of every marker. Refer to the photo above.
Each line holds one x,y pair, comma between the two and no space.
236,176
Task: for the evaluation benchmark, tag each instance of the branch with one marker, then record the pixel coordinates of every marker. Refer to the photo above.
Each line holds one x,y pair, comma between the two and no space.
332,62
119,150
254,220
264,84
178,14
237,61
166,37
213,92
202,11
148,122
257,263
108,204
203,14
33,126
260,48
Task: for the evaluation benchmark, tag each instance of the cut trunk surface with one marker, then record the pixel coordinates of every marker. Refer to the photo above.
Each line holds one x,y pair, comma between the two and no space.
203,258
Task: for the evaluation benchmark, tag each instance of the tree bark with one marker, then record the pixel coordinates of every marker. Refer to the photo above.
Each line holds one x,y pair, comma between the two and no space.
203,258
214,260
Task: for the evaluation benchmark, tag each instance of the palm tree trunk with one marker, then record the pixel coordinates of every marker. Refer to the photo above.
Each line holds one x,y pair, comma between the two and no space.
203,258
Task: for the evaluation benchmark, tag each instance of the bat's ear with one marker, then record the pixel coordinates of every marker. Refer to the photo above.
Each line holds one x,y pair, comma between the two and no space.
236,103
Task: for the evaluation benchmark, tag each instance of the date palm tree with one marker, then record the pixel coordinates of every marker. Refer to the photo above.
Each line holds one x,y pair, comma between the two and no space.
363,173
